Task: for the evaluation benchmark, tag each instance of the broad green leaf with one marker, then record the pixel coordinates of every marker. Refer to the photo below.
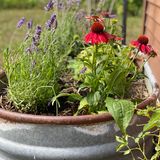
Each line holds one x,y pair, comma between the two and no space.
93,98
83,103
121,110
153,122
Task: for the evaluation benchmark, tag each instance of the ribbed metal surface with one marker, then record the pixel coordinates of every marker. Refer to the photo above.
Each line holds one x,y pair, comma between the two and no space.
23,137
62,142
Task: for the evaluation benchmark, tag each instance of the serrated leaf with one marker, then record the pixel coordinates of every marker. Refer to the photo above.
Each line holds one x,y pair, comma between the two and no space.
121,110
153,122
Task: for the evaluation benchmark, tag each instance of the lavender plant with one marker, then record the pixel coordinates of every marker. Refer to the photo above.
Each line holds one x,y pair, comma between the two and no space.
34,67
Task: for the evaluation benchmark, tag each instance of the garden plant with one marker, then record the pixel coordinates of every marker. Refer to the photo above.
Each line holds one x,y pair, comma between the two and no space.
75,65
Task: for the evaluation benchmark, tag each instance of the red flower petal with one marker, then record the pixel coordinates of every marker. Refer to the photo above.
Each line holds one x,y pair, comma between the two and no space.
96,38
146,49
135,43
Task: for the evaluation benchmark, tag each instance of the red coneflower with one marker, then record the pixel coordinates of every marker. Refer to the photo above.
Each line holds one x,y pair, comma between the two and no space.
98,35
142,44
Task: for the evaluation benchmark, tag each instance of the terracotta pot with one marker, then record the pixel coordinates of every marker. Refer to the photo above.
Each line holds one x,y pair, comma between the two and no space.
88,137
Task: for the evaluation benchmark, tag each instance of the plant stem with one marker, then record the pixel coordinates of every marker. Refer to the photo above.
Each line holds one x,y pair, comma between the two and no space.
134,57
94,62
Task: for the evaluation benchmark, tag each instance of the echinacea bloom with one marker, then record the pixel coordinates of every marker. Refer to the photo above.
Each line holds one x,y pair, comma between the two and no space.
20,22
142,44
106,14
98,35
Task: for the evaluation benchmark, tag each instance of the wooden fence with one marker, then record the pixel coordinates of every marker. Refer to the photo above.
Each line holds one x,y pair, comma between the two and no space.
151,25
151,28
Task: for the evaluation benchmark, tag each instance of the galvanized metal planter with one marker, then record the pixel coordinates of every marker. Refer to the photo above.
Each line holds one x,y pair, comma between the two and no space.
90,137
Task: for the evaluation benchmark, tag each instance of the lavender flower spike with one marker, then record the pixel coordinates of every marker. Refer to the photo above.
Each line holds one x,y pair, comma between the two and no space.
52,21
49,6
30,24
21,22
53,18
38,30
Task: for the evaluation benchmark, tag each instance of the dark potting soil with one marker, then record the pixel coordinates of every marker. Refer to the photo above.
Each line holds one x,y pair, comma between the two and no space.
137,92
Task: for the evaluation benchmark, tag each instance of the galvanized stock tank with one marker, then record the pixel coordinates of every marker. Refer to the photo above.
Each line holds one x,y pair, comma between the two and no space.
89,137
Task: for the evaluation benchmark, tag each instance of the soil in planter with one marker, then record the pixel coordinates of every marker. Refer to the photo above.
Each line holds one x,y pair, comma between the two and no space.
137,93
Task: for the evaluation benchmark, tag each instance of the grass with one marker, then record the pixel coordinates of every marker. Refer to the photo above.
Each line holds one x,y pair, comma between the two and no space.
134,27
10,35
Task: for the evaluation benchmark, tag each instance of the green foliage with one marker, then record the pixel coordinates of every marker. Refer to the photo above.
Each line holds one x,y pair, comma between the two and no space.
154,120
121,110
150,130
5,4
107,67
33,75
134,7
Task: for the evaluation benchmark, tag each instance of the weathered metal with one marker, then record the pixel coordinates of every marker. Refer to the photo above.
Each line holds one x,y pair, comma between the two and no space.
88,137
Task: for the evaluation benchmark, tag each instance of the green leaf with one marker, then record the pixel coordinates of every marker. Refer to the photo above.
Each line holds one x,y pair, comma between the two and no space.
71,96
120,139
93,98
83,103
127,152
121,110
120,147
154,121
74,97
54,99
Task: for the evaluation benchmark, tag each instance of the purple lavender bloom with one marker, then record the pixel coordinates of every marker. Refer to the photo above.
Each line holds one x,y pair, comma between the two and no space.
51,21
30,24
83,70
49,6
53,18
21,22
36,37
38,30
48,24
